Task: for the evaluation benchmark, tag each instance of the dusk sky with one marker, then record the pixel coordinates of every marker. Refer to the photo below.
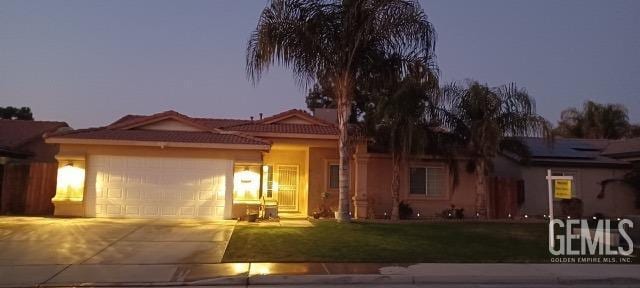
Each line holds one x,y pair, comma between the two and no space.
90,62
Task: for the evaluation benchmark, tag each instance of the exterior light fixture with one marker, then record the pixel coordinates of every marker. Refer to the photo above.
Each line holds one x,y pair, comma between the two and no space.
618,218
509,216
418,214
526,216
568,217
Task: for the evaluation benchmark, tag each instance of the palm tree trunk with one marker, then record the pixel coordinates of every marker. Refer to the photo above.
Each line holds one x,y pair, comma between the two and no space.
344,112
481,189
395,186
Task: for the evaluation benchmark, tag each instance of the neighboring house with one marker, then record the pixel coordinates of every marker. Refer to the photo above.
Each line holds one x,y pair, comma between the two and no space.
172,165
591,162
27,166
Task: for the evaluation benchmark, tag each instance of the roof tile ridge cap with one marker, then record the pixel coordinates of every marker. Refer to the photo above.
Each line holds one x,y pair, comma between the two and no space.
293,111
76,131
244,135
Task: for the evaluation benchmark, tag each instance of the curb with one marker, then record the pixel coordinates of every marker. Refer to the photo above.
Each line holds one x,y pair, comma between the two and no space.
357,279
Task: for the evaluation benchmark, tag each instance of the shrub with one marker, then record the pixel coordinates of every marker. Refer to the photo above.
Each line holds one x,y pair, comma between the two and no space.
404,210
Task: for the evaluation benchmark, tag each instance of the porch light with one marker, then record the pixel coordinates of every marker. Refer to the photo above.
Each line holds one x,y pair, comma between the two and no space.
526,216
70,183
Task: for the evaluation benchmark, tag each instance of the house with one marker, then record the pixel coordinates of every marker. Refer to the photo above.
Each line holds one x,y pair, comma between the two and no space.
172,165
597,166
27,166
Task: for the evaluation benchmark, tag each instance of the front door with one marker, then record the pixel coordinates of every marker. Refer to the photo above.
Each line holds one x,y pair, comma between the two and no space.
287,191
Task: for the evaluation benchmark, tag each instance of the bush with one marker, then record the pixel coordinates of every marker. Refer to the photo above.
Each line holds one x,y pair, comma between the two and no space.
404,210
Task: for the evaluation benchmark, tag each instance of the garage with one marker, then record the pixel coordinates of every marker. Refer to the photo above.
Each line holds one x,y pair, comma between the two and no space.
158,187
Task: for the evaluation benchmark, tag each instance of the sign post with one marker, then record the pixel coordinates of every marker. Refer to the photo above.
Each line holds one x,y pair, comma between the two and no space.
562,185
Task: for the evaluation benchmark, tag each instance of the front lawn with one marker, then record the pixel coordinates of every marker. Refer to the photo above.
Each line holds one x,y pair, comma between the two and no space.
411,242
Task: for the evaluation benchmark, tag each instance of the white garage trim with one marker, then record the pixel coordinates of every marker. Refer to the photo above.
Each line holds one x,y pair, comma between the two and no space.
158,187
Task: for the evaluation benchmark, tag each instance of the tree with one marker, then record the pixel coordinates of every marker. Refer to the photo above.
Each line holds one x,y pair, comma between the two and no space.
14,113
337,41
489,120
404,115
595,120
318,97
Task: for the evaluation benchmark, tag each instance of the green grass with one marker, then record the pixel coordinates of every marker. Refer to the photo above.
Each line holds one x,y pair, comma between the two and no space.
411,242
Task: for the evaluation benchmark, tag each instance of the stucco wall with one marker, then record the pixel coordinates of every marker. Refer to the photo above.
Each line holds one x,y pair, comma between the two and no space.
319,160
461,195
618,198
236,155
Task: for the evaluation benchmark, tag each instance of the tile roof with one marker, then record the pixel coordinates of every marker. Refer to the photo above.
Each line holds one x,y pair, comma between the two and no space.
161,136
14,133
286,128
215,130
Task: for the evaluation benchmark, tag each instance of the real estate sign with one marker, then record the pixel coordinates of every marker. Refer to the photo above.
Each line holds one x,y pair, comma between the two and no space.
562,188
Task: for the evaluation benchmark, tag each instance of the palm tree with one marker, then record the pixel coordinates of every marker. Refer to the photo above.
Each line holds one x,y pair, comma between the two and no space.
489,120
402,116
337,40
595,120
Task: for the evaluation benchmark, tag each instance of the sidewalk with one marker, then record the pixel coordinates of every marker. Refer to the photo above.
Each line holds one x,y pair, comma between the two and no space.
315,273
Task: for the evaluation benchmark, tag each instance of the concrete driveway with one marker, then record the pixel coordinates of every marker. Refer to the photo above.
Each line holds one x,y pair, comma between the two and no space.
37,241
59,251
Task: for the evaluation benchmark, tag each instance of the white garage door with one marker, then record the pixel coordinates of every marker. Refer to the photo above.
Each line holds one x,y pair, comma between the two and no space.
148,187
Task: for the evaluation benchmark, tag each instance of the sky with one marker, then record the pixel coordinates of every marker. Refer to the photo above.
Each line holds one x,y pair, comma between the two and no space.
91,62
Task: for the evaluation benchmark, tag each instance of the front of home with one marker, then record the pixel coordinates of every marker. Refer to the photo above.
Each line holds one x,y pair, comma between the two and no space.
169,165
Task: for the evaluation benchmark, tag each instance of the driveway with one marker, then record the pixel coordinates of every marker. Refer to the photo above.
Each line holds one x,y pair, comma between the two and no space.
34,250
37,241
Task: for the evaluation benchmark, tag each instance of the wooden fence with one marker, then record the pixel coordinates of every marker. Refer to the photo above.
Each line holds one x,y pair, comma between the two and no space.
505,196
27,188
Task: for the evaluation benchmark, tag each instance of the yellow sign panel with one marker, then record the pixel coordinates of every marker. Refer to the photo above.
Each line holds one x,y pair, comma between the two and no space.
563,189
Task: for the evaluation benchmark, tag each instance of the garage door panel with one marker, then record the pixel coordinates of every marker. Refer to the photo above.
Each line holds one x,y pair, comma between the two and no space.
158,187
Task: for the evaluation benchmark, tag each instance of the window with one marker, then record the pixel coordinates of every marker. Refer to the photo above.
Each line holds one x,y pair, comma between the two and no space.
334,176
428,181
246,183
267,180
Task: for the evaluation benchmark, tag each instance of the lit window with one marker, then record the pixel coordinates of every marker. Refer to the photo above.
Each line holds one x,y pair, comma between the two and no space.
70,182
246,183
334,176
428,181
267,181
